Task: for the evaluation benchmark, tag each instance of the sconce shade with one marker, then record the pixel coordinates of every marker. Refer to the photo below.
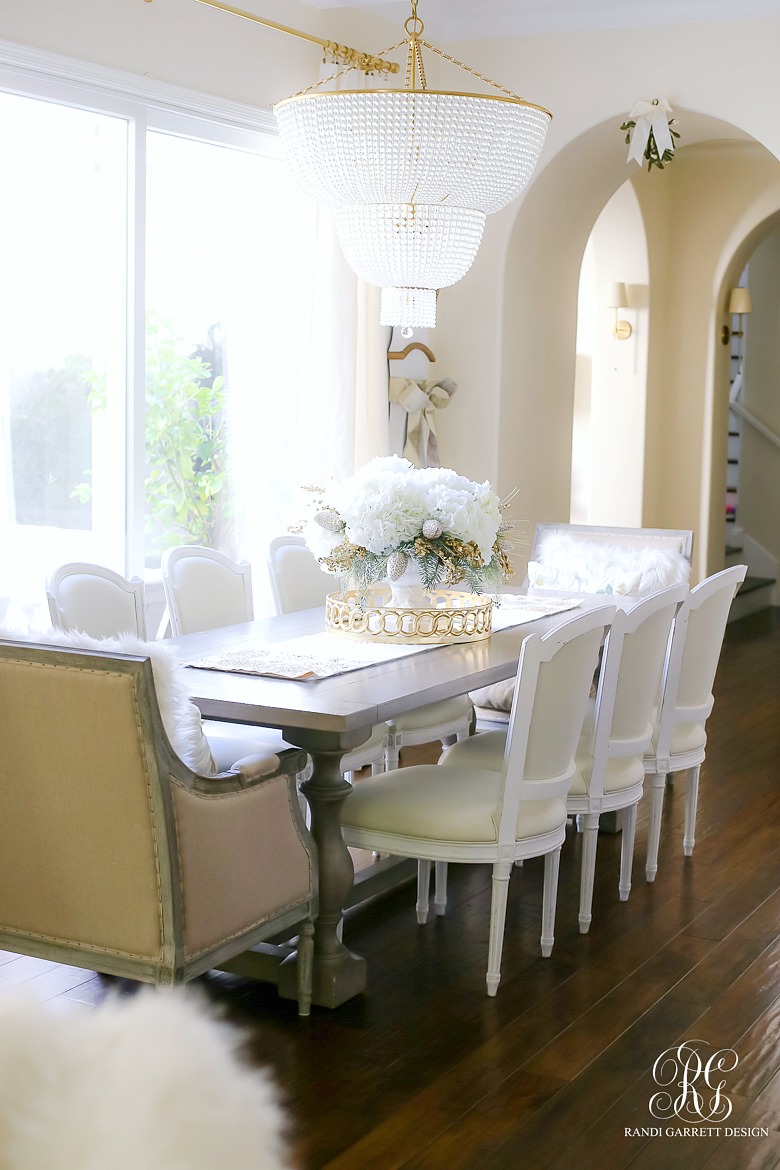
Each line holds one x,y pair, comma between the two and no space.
739,301
617,297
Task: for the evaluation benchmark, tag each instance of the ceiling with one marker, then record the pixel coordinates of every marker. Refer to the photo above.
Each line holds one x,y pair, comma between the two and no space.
472,19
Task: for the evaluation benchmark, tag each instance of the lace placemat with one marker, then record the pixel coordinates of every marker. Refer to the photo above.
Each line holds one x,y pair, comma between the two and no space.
318,656
517,608
305,659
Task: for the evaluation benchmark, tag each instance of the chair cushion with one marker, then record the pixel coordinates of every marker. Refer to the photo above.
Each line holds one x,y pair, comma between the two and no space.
621,772
497,697
484,751
442,804
434,715
371,751
687,737
229,742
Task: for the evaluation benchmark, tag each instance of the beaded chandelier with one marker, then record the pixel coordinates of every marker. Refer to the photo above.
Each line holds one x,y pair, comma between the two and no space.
411,174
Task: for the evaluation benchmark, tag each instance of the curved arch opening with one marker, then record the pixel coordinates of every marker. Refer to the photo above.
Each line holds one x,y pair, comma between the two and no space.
675,235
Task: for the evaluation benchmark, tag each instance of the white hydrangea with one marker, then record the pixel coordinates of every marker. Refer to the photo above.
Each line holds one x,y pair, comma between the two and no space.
387,501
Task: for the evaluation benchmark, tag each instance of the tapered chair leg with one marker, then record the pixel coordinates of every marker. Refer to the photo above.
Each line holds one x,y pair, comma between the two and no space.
501,873
423,890
691,801
440,896
549,900
627,851
657,790
590,837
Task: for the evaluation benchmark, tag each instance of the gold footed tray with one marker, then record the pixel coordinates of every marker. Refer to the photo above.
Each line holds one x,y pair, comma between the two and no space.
448,616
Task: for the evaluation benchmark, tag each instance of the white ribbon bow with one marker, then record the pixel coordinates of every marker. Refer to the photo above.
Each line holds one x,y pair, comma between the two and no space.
650,116
420,400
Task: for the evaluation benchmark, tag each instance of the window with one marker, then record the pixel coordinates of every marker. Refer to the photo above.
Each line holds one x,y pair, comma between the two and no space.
228,240
63,227
154,265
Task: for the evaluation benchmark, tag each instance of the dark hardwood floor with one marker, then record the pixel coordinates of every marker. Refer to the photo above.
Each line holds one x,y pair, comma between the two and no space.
425,1071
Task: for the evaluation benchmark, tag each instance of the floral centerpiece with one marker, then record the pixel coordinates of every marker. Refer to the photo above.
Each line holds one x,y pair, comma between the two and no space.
391,520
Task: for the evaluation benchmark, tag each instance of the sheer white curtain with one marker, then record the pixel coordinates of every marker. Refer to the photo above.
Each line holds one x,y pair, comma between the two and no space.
329,414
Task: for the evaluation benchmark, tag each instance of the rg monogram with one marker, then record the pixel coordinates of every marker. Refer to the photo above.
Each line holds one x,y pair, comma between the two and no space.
691,1087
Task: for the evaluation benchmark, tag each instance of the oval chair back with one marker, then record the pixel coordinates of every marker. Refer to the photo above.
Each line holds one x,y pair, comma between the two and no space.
204,589
551,695
611,760
95,599
297,581
680,738
704,619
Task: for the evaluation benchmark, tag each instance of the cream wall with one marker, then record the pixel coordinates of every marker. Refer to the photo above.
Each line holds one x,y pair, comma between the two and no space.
608,435
507,332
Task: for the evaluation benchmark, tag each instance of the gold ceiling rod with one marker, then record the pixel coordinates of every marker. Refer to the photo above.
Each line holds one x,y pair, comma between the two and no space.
342,54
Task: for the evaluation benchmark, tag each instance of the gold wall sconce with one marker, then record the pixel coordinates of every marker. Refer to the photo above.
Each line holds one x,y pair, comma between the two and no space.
739,304
617,298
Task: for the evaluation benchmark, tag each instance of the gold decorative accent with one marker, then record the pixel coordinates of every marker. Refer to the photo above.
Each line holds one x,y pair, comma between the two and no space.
451,617
341,54
486,97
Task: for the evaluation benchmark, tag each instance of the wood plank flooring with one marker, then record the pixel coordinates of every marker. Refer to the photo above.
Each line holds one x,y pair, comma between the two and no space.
424,1071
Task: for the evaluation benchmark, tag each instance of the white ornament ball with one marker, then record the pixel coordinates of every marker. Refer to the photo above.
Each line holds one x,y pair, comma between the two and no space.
431,529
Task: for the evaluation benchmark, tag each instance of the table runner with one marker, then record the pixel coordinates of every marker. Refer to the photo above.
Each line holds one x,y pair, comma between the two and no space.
318,656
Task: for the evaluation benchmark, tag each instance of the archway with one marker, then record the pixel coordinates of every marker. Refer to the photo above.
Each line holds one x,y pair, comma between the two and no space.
694,214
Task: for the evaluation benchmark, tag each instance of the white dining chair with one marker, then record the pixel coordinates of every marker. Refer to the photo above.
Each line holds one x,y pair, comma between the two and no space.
103,604
93,598
297,582
610,760
615,735
205,589
679,736
461,812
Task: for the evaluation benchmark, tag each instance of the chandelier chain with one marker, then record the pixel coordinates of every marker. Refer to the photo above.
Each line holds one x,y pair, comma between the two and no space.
415,46
473,72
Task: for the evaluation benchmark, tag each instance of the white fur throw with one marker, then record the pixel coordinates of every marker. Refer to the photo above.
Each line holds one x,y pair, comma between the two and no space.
151,1081
180,716
565,562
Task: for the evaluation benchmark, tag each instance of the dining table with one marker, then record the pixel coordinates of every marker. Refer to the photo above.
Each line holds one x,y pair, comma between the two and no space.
330,715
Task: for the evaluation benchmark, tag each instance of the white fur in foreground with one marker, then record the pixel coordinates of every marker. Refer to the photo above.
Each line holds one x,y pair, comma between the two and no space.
146,1082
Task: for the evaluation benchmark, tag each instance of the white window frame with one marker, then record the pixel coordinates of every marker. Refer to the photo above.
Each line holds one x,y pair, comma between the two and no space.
146,104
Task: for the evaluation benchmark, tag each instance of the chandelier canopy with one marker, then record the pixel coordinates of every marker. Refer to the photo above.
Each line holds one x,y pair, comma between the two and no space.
411,174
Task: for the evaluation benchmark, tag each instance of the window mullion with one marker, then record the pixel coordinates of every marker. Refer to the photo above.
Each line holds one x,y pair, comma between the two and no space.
136,336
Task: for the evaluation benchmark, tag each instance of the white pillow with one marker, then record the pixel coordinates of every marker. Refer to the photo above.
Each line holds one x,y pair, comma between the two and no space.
617,581
607,568
180,716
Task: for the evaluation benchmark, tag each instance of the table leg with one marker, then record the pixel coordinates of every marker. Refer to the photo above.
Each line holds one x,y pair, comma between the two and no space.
338,973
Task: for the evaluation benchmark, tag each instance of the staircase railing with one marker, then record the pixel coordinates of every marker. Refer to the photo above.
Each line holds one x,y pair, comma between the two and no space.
756,423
